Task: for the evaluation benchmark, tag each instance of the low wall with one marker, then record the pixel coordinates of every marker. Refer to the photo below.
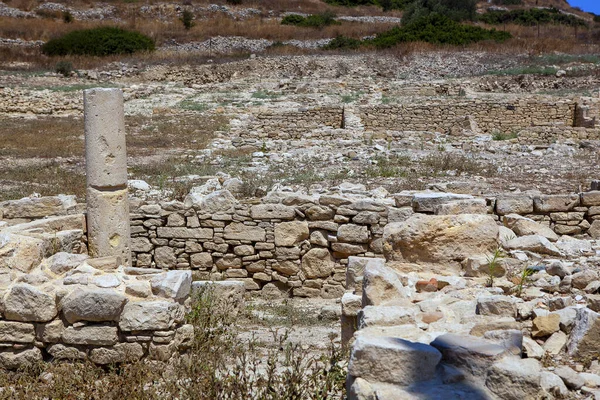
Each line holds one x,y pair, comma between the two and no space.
302,244
490,115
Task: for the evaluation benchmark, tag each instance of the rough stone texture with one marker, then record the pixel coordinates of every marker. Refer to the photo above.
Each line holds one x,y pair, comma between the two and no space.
108,224
381,285
96,305
291,233
21,253
106,173
97,335
15,359
317,263
392,360
585,336
472,354
24,302
439,239
149,315
514,379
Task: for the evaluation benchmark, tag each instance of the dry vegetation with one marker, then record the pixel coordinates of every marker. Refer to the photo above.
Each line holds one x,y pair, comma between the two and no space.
220,364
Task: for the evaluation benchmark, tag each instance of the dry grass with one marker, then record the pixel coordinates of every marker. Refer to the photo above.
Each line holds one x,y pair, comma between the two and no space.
45,155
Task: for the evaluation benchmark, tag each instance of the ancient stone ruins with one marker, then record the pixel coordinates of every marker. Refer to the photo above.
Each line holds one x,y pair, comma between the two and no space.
443,295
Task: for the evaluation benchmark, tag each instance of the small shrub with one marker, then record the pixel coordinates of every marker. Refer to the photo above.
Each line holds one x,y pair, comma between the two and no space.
386,5
312,21
98,42
187,18
64,68
508,2
504,136
234,2
457,10
67,17
596,18
342,43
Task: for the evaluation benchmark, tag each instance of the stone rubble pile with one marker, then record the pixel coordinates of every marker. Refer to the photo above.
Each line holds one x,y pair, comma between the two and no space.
58,303
523,325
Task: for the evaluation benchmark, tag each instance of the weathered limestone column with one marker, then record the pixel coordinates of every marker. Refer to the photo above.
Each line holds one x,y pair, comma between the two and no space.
106,172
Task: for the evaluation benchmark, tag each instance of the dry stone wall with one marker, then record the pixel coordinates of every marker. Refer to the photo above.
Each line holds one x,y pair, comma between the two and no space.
490,115
302,244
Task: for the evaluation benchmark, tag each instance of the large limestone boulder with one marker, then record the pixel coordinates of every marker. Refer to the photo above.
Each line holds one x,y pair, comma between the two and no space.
15,359
38,207
524,226
392,360
218,201
445,239
21,253
94,305
172,284
24,302
317,263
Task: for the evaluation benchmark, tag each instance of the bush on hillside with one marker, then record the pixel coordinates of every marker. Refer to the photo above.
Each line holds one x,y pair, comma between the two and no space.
342,43
531,17
508,2
312,21
457,10
98,42
437,29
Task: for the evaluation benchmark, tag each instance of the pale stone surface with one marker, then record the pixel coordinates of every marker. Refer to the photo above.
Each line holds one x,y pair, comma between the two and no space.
217,201
381,285
97,335
514,204
291,233
21,253
440,238
428,201
556,343
571,378
108,224
272,211
392,360
317,263
385,316
61,352
239,231
172,284
524,226
545,325
106,157
351,233
17,332
471,353
62,262
534,243
38,207
505,306
149,315
514,378
96,305
24,302
468,206
585,336
120,352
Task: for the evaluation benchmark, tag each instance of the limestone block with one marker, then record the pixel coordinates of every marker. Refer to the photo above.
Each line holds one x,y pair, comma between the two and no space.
164,257
50,332
555,203
108,224
505,306
96,335
239,231
212,203
585,336
590,198
15,359
524,226
21,253
62,262
515,378
356,269
428,201
17,332
61,352
392,360
514,205
381,285
141,245
466,206
106,157
24,302
173,284
317,263
121,352
272,211
351,233
95,305
534,243
38,207
440,238
150,315
291,233
385,316
184,233
201,260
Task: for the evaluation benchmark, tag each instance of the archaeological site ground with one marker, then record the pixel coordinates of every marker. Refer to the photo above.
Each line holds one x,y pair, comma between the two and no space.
304,199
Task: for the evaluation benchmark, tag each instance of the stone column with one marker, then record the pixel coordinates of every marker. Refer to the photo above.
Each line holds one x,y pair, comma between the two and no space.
106,172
